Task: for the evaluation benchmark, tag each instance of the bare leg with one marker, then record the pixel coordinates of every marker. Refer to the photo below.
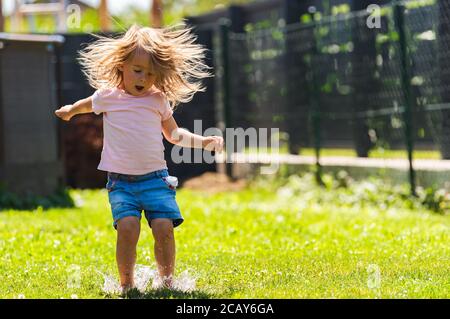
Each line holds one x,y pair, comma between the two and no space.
162,229
128,229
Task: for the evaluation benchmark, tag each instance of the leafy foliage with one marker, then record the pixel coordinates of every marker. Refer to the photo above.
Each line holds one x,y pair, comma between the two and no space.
173,11
345,191
60,198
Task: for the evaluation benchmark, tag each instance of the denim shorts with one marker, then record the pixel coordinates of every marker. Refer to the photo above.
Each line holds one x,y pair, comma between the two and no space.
152,193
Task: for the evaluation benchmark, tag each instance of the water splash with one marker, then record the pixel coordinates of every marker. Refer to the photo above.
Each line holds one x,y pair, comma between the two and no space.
142,276
185,282
110,285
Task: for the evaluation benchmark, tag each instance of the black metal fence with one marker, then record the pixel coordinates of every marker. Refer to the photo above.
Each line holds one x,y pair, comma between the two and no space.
331,74
314,69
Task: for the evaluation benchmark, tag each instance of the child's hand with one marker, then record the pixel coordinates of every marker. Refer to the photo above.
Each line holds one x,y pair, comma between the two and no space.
64,112
213,143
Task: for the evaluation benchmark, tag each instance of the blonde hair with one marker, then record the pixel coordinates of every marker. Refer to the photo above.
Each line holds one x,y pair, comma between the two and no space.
176,60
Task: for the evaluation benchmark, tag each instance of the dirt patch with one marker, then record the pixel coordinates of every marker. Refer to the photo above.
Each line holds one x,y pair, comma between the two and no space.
214,183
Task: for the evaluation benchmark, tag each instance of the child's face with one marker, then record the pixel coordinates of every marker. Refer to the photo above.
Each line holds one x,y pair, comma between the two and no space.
138,77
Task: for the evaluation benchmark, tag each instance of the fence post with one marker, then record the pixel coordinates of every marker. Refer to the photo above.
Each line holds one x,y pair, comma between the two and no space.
444,76
364,65
296,100
314,97
2,123
224,27
399,11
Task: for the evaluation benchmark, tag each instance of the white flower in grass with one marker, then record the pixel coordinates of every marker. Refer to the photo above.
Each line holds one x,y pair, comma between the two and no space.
280,219
74,276
78,200
285,192
374,276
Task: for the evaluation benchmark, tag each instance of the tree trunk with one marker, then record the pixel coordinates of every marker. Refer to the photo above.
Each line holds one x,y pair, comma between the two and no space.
16,18
104,17
156,14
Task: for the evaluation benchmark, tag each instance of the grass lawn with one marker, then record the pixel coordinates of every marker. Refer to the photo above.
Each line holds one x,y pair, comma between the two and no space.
261,242
347,152
376,153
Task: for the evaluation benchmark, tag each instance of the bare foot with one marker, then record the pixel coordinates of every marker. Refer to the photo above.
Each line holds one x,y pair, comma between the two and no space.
167,282
127,290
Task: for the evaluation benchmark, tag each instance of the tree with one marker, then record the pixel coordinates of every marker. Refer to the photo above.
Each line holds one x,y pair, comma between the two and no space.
175,10
104,16
156,14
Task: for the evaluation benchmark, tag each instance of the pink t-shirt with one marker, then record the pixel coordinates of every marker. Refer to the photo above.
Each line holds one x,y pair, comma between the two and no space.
132,130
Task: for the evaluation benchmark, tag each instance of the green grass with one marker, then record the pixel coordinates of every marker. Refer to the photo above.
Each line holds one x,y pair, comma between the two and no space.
376,153
293,240
347,152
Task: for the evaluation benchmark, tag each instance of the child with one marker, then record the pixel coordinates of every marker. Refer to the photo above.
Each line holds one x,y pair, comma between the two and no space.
140,77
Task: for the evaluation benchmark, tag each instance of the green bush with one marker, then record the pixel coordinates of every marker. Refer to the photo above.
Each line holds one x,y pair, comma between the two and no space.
342,189
60,198
435,199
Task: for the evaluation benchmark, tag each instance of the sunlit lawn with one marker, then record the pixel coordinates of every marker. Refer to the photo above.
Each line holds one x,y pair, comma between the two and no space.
256,243
376,153
347,152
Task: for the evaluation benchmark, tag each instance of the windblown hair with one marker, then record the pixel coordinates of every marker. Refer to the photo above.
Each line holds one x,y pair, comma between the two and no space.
176,60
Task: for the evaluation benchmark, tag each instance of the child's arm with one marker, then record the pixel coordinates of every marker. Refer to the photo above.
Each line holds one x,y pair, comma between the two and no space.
68,111
184,138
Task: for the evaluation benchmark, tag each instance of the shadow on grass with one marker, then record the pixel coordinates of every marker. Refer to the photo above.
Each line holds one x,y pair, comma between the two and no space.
164,293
